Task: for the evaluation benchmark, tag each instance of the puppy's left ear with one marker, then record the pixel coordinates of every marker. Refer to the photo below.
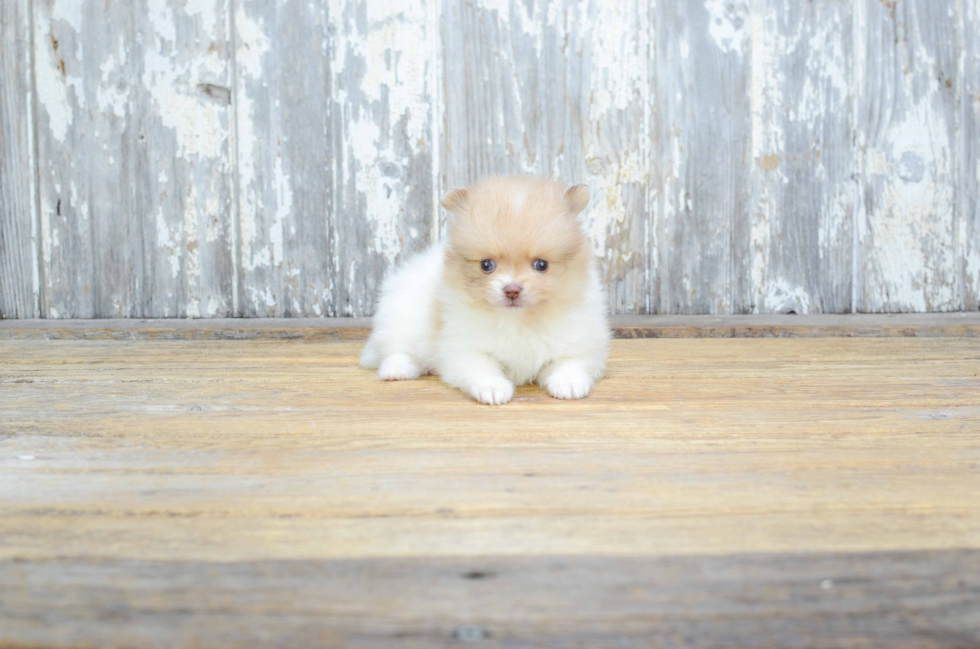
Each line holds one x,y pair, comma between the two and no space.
576,198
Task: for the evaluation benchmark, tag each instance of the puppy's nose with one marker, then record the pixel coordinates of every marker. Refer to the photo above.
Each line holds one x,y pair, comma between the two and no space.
512,291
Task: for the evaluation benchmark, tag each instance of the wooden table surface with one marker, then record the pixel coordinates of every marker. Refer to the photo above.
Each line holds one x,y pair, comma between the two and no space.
788,492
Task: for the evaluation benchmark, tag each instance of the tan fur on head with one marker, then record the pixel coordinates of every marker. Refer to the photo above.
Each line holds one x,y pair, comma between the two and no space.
514,221
455,200
576,198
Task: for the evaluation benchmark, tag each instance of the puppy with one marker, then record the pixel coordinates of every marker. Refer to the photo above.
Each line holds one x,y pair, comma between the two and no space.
512,297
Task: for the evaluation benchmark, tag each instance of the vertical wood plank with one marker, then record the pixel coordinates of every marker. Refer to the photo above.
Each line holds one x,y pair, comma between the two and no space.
90,221
134,157
704,157
617,43
336,140
803,158
285,157
907,132
383,134
183,182
560,88
969,139
19,279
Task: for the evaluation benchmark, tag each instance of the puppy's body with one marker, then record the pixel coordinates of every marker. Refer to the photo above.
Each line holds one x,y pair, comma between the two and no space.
522,321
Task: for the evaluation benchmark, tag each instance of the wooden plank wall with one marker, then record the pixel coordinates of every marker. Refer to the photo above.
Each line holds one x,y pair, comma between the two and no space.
214,158
19,283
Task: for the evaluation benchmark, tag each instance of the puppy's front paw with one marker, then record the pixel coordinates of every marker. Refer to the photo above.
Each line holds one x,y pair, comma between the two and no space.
569,383
493,391
398,367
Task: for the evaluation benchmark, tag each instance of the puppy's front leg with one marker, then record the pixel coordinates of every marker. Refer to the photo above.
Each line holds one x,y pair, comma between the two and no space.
571,378
479,375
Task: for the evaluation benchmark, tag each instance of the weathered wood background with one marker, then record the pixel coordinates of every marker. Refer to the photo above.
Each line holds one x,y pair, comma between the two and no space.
164,158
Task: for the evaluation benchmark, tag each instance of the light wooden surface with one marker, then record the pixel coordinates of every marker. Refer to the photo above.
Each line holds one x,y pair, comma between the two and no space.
257,158
778,492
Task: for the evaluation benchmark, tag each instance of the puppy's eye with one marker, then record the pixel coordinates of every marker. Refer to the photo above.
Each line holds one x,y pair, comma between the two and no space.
540,265
487,265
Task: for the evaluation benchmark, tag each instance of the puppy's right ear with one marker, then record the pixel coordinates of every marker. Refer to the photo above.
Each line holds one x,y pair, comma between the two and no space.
456,200
576,198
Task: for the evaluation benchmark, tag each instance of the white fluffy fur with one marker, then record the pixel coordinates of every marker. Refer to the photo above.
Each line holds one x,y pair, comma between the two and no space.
425,325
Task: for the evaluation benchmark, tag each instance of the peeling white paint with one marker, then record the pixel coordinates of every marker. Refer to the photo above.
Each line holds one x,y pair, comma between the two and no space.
167,242
619,97
620,65
204,10
434,83
284,206
913,259
393,56
782,297
52,86
768,145
907,214
607,209
267,297
253,43
253,46
191,252
386,75
173,84
113,93
49,236
727,25
69,11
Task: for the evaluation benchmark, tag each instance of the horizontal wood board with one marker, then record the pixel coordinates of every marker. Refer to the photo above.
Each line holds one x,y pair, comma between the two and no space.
772,492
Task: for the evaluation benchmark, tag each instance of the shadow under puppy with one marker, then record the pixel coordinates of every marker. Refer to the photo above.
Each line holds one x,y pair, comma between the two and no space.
512,297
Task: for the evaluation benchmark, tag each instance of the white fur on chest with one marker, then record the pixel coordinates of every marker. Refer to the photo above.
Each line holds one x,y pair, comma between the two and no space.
521,350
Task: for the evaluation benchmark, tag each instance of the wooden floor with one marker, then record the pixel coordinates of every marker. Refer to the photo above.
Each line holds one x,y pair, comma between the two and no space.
787,492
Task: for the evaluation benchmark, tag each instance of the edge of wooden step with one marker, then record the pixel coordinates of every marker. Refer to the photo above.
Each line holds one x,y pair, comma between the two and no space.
962,324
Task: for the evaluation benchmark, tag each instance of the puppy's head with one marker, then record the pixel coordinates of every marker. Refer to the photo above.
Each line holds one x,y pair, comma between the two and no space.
515,243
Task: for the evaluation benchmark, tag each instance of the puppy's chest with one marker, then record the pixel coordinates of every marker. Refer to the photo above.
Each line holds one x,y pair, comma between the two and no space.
523,352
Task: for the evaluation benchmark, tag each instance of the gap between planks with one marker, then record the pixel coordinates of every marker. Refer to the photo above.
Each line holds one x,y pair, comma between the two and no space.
929,325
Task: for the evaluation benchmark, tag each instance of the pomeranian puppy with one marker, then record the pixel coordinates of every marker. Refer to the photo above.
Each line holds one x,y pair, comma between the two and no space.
512,297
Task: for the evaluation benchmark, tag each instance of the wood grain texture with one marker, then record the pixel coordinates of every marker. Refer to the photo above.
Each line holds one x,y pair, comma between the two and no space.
222,451
789,492
803,156
969,140
134,158
705,157
183,181
384,125
213,158
901,600
923,325
285,158
907,223
563,89
336,150
90,220
19,282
